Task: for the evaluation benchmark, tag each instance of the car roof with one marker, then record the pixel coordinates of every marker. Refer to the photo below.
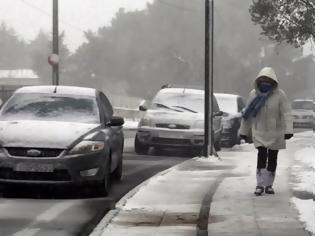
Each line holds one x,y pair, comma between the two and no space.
303,100
70,90
226,95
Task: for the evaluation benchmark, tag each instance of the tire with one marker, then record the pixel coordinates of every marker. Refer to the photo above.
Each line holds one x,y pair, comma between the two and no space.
140,148
104,185
117,174
158,151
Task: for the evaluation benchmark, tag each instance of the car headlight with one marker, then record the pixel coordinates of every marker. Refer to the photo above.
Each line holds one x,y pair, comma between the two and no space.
86,146
145,122
199,124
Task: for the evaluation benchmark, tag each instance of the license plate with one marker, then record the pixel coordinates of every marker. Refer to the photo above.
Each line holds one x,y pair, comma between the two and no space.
170,135
33,167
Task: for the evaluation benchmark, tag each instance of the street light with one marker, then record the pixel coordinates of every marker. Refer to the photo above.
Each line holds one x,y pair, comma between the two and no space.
208,119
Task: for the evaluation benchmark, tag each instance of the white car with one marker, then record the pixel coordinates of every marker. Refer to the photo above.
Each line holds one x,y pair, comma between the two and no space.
302,113
175,119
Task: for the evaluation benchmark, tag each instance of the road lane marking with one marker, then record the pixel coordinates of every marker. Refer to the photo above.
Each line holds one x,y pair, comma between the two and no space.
27,231
52,212
48,215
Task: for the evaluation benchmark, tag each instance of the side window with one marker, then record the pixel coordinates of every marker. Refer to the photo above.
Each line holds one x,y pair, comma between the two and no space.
240,104
107,107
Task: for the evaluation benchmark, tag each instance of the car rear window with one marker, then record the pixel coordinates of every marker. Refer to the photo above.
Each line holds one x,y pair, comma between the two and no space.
52,107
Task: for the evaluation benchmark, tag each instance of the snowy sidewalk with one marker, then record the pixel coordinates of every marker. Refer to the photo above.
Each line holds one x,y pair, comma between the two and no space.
208,197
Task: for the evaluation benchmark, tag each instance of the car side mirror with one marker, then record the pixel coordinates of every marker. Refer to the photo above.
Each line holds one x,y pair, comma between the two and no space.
143,108
116,121
218,113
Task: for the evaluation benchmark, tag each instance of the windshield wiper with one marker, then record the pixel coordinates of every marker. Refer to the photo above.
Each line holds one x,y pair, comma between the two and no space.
167,107
185,108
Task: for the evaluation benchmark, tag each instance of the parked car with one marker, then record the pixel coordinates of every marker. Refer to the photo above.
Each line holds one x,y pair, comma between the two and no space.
314,115
175,119
302,113
231,105
60,135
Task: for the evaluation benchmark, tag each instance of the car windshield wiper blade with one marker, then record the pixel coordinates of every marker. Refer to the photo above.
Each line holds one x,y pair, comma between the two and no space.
167,107
185,108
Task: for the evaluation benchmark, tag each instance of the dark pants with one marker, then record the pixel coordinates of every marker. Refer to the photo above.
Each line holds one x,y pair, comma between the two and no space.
267,158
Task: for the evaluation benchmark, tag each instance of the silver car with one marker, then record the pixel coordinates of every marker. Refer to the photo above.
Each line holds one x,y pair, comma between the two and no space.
175,119
302,113
60,135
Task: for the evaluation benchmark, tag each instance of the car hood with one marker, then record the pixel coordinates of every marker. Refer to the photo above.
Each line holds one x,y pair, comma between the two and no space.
173,117
42,134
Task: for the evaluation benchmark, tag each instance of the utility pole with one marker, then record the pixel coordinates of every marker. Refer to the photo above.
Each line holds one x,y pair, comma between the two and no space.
208,119
55,42
211,144
207,92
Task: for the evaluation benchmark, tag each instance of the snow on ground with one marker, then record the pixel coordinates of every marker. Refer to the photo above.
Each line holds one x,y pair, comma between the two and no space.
306,155
307,212
304,172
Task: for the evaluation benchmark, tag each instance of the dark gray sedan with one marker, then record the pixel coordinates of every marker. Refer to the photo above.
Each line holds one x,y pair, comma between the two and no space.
60,135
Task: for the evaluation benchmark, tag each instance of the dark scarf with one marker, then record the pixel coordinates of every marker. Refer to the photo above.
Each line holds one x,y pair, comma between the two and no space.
256,104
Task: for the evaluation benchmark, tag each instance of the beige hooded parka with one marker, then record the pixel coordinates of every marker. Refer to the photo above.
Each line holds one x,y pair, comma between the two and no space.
274,119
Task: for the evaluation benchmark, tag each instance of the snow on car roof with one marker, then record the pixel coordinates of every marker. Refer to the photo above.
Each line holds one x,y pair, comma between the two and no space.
303,100
60,90
182,90
226,95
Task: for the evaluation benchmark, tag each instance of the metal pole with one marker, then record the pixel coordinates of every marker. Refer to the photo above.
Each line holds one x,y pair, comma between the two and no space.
207,92
211,77
55,42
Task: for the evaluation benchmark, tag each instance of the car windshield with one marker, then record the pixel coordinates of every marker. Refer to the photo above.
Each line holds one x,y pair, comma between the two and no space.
181,102
227,104
305,105
51,107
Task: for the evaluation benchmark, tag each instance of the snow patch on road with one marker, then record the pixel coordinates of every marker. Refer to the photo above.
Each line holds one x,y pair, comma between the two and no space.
306,155
304,176
307,213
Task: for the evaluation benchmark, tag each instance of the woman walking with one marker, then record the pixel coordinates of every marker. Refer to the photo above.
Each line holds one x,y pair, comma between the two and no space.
268,119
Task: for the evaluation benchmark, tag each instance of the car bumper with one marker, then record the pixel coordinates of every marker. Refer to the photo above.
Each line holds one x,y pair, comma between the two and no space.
173,137
303,123
76,169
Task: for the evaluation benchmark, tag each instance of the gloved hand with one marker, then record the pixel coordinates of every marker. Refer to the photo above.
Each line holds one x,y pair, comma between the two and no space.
288,136
242,136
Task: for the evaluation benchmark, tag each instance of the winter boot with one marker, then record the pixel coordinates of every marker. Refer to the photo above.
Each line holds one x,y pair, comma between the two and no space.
260,174
270,177
269,190
259,190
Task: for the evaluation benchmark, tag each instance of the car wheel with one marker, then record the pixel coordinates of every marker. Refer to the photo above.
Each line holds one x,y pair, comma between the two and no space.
158,151
103,185
117,174
141,148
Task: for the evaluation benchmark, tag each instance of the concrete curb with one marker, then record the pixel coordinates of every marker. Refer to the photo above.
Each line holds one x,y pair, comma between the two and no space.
122,202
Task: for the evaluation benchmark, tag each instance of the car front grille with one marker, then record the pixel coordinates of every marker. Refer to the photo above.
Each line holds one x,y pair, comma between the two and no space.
171,141
57,175
23,152
172,126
